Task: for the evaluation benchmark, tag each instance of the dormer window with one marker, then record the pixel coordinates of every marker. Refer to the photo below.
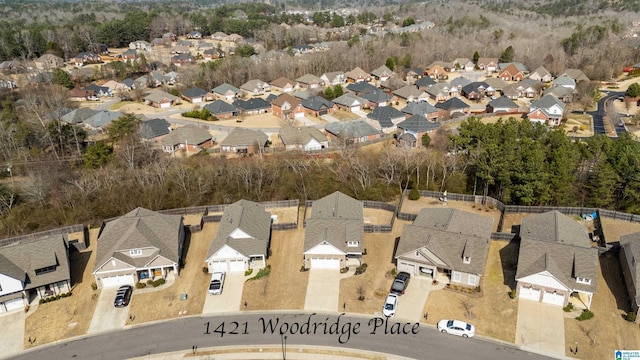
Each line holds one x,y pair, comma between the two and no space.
352,243
135,252
466,259
417,253
582,280
45,270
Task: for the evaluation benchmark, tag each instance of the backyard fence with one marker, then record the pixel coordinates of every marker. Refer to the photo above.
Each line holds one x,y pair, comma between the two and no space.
64,231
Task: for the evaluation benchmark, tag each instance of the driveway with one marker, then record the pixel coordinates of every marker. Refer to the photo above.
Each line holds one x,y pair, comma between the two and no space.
12,332
411,303
106,316
323,290
540,328
229,300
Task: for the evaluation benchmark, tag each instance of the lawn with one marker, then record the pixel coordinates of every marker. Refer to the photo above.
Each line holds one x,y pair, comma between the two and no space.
345,115
494,313
120,104
414,207
578,125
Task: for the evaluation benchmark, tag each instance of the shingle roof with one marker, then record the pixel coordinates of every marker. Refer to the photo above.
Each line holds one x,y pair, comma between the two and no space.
382,71
541,72
159,95
308,79
224,88
361,87
194,92
336,219
564,81
546,102
425,81
286,98
631,245
331,76
351,129
496,83
153,128
474,86
220,107
78,115
452,104
282,82
385,113
419,108
418,123
408,91
252,219
558,91
553,226
242,136
301,135
575,74
519,66
190,134
317,103
460,81
377,96
102,118
356,73
349,99
393,83
252,104
253,84
502,102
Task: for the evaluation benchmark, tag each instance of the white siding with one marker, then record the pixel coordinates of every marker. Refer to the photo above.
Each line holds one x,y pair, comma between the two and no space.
9,285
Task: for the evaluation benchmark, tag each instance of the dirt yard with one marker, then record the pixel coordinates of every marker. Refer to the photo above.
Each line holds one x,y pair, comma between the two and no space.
613,229
70,316
377,216
607,331
285,214
494,302
414,207
512,222
581,122
343,115
376,280
166,303
285,287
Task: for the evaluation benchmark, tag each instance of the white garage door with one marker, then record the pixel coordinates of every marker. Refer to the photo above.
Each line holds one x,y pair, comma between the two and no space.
322,263
299,115
14,304
236,265
117,280
553,298
531,294
165,105
219,266
355,108
410,268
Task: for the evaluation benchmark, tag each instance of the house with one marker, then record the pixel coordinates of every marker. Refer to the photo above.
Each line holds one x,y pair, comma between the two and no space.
116,87
194,35
169,36
477,90
234,38
140,45
203,45
564,94
357,75
282,84
452,108
253,106
101,119
161,99
575,74
333,78
189,137
352,132
556,262
212,54
7,83
34,268
301,49
502,105
318,106
183,59
226,91
421,108
86,57
546,110
463,64
385,118
185,43
153,129
100,91
541,74
197,95
286,106
349,102
445,242
436,71
438,92
383,73
242,240
49,62
512,91
129,83
360,88
77,94
179,49
310,81
244,141
219,36
306,138
460,82
392,84
496,83
141,244
377,98
489,65
411,75
629,252
565,81
334,233
424,82
412,130
255,87
221,109
78,115
511,71
530,88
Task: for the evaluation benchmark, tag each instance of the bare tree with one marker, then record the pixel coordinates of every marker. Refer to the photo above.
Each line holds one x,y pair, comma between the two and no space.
468,306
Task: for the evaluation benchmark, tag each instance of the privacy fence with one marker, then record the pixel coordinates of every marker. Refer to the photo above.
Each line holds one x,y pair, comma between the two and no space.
64,231
368,228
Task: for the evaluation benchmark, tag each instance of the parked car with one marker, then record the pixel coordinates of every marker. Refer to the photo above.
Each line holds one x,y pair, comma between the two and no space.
216,283
400,283
123,296
456,327
390,305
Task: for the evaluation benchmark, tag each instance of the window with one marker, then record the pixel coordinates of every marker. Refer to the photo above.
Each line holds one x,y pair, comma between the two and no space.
472,279
582,280
417,253
45,270
467,259
135,252
456,276
352,243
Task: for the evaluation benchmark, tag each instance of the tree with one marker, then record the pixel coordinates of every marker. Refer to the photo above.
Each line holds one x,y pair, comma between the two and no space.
476,56
245,50
408,22
337,21
426,140
633,90
328,93
337,90
507,55
388,17
98,155
61,77
351,20
390,63
123,127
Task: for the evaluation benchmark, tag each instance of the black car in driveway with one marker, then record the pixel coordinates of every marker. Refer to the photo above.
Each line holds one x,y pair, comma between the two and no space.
400,283
123,296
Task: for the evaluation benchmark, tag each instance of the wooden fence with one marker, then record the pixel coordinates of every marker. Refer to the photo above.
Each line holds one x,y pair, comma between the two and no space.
64,231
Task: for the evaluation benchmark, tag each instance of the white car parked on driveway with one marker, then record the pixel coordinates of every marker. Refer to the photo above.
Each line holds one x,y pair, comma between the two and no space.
456,327
217,281
390,305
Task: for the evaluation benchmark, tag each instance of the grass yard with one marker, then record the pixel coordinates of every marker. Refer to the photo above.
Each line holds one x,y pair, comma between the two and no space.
286,286
414,207
580,122
69,316
120,104
494,313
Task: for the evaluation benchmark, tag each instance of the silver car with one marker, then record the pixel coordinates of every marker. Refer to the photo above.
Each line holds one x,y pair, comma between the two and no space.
390,305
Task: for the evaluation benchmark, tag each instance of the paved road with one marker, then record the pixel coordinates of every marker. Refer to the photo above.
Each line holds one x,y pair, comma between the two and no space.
598,115
240,329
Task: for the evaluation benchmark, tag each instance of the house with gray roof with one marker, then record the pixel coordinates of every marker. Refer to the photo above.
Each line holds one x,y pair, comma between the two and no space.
284,85
255,87
421,108
197,95
253,106
334,233
383,73
318,106
496,83
452,108
562,93
564,81
410,93
138,245
502,105
310,81
161,99
189,138
153,129
221,109
460,82
101,119
439,92
33,268
541,74
226,91
412,130
385,118
352,132
477,90
244,141
377,98
361,88
357,75
333,78
305,138
242,240
424,82
547,110
576,74
349,102
556,262
78,115
629,256
392,84
444,243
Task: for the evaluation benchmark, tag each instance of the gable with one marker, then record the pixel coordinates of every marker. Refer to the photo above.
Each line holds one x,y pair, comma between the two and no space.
113,264
9,285
423,254
546,279
240,234
226,252
324,248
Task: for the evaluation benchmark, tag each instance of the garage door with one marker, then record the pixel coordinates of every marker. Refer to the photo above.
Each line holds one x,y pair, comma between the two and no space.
323,112
117,280
323,263
14,304
531,294
410,268
165,105
299,115
553,298
236,265
355,108
219,266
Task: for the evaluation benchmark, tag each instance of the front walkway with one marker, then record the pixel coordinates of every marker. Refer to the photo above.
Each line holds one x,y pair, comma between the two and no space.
540,328
411,304
323,290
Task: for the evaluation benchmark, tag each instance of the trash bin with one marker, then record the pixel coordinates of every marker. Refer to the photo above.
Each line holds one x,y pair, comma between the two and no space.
183,296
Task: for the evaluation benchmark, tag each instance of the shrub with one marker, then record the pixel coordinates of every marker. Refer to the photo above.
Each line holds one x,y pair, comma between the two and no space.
361,269
141,285
568,308
344,270
631,316
94,286
414,194
248,272
394,272
477,289
150,282
205,269
364,251
512,294
203,114
158,282
586,315
302,268
262,273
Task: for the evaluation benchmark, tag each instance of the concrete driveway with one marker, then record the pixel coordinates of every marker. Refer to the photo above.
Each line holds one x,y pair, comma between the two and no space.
11,333
323,290
106,316
229,300
540,328
411,304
